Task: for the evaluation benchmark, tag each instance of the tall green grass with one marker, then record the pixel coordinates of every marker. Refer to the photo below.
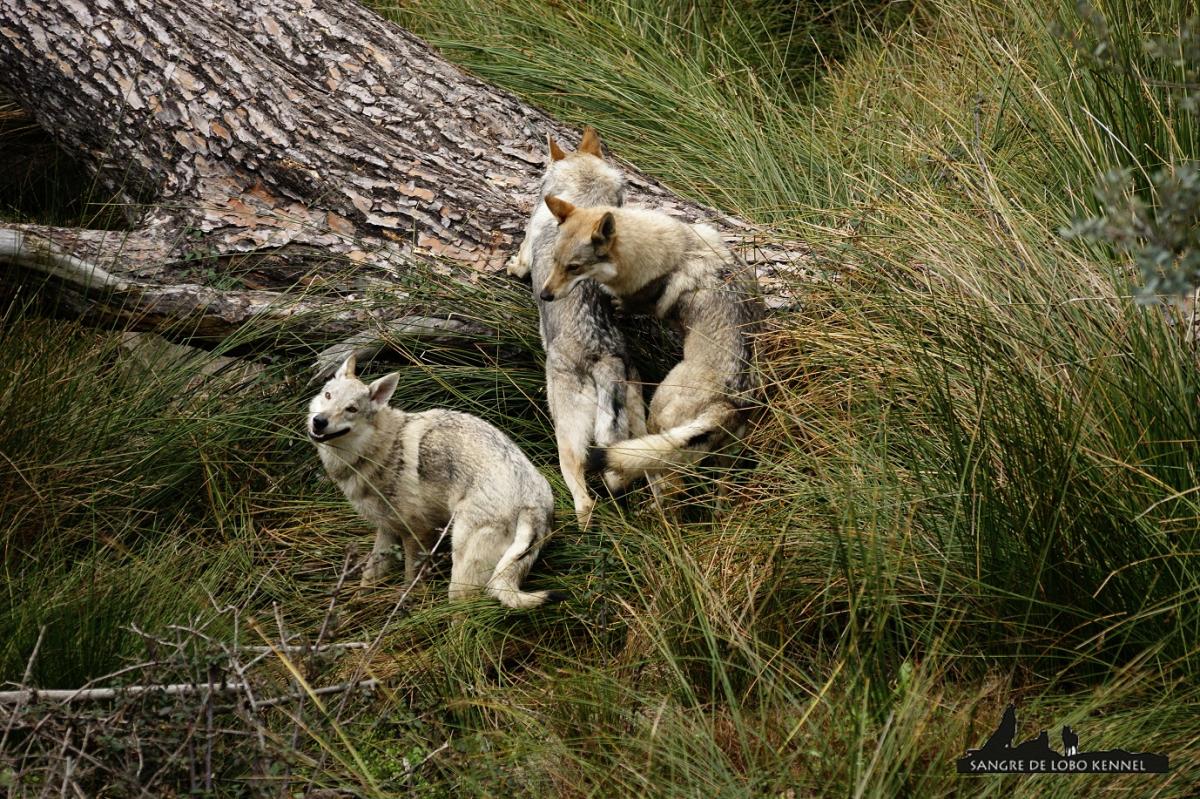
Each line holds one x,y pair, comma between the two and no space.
974,478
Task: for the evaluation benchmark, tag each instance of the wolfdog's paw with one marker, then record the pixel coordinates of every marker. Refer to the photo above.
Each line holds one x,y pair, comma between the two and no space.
517,266
583,512
615,482
373,574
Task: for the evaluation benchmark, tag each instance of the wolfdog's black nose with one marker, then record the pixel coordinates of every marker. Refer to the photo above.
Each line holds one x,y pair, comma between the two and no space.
547,295
320,423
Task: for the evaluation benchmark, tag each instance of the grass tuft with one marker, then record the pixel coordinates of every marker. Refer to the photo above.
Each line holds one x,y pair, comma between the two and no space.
974,480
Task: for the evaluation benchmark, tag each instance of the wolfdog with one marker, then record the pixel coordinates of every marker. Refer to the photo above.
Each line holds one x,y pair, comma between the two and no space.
593,390
685,273
409,474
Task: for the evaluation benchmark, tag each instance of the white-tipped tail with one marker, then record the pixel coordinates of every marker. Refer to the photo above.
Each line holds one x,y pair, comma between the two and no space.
514,564
524,600
661,452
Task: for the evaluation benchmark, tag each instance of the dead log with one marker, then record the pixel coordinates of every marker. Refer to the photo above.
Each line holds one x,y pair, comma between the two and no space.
282,163
68,695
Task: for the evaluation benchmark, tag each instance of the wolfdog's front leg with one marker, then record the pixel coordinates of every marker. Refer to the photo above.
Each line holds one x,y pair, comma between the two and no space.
412,553
570,461
518,265
380,561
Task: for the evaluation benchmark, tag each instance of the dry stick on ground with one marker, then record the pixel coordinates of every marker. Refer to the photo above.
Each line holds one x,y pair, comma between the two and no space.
65,696
69,695
259,149
411,768
60,765
305,649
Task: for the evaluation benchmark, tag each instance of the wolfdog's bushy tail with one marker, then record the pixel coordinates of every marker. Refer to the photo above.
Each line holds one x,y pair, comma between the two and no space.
660,452
514,564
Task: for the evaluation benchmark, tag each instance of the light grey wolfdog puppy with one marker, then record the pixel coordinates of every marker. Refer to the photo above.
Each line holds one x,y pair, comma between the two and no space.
593,391
409,474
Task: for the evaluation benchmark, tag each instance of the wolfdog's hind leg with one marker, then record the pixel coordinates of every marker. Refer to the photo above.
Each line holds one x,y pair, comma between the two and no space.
635,403
473,558
665,487
721,466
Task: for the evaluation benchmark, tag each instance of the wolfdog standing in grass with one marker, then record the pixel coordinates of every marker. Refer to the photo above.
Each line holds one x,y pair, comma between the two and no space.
409,474
593,391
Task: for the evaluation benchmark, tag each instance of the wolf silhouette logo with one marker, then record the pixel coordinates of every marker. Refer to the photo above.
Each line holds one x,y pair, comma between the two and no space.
1070,741
999,755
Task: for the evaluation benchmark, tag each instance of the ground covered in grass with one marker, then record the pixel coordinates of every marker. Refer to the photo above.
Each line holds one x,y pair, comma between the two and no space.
973,480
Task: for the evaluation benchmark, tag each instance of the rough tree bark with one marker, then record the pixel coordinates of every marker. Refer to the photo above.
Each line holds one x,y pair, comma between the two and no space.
292,153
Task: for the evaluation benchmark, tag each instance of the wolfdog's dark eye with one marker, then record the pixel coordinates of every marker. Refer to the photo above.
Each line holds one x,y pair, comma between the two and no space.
574,267
327,395
352,409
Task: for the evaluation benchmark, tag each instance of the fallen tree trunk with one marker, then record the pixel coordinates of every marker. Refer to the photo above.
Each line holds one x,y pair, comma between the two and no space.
280,161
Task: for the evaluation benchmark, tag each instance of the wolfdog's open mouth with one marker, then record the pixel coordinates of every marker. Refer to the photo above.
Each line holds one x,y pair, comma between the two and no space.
321,439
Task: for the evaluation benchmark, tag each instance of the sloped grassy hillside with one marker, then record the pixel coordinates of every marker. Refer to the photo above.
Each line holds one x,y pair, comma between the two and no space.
974,479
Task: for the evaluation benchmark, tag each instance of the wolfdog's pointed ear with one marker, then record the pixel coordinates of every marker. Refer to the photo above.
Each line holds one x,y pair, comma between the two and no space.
556,153
381,390
560,208
346,370
603,234
591,142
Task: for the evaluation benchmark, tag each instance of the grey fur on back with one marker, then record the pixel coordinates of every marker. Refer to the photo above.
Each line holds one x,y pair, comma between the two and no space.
720,310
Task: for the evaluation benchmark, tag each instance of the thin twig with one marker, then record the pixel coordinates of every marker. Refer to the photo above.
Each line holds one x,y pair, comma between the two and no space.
208,734
68,769
154,638
62,752
304,649
298,718
329,689
337,589
24,681
411,770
